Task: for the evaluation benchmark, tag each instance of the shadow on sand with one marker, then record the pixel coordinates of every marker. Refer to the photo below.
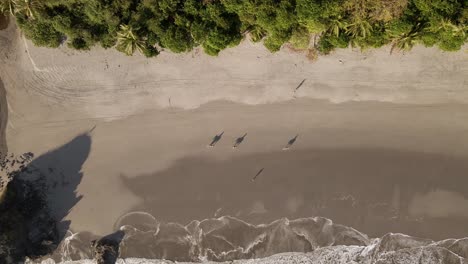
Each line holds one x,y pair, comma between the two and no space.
3,120
4,21
39,198
368,189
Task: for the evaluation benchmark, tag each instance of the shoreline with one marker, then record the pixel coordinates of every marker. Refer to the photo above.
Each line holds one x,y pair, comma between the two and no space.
312,240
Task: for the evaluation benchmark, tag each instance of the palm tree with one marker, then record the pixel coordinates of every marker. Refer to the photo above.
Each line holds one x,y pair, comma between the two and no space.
27,7
7,6
405,41
335,27
257,34
128,42
447,25
359,28
443,24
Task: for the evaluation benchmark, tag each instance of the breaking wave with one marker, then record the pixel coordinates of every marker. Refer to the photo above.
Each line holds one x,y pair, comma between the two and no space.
218,239
304,240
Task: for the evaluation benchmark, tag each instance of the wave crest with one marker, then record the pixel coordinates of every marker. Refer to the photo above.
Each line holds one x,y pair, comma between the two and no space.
216,239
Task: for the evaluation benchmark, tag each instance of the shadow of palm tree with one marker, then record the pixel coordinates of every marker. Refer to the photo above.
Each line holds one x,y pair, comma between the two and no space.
38,199
4,21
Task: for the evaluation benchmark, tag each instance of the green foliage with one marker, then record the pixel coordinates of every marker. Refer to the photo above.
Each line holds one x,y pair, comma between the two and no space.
444,33
150,51
257,34
28,8
214,25
438,8
359,28
177,39
375,10
300,38
79,44
217,40
274,19
318,16
406,41
328,43
7,6
375,39
42,33
128,42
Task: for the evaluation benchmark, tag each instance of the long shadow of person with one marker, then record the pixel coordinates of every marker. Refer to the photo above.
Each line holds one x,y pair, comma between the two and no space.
290,142
38,198
239,141
216,139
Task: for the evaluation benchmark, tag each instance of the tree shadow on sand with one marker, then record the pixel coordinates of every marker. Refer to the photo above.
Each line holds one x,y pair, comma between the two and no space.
3,119
37,200
4,21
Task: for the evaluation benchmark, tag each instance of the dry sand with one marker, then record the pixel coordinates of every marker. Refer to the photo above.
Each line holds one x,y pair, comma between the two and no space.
377,128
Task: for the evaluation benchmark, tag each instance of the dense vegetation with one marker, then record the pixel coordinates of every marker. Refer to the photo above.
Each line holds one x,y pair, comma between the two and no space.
181,25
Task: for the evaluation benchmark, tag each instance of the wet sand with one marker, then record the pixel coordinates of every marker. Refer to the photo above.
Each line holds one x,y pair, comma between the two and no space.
375,191
368,151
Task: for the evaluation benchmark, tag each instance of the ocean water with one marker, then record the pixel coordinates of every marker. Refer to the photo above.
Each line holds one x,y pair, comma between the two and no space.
305,240
217,239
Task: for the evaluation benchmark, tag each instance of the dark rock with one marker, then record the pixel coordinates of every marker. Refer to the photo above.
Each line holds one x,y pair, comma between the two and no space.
106,249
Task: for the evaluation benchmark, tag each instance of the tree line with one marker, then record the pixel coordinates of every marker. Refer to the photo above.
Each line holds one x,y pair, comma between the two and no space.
147,26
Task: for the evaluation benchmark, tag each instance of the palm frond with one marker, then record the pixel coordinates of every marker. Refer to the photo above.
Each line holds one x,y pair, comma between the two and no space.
128,42
27,7
405,42
336,26
7,6
359,28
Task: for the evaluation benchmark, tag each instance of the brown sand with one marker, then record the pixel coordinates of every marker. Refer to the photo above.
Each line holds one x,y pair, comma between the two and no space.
405,113
150,143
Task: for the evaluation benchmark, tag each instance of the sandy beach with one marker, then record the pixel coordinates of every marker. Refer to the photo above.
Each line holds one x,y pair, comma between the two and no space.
382,139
